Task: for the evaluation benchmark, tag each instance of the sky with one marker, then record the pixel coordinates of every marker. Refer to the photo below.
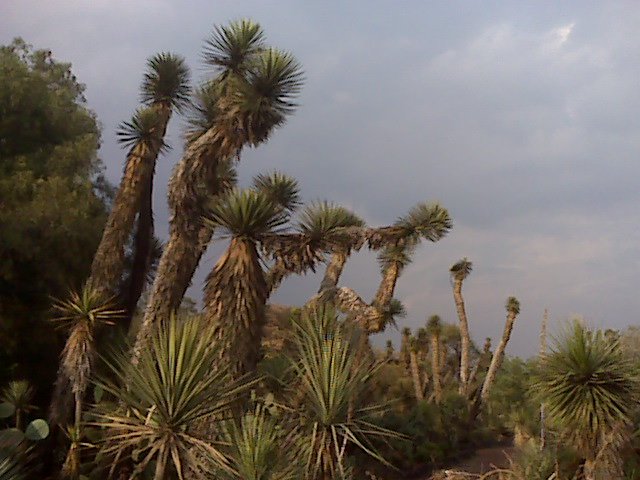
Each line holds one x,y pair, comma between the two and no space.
521,118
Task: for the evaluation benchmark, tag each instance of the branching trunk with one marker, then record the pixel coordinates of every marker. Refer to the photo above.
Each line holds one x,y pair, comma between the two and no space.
498,357
465,337
384,295
333,271
109,260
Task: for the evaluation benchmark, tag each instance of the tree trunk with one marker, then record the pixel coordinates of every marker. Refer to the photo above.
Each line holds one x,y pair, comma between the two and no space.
384,295
435,366
333,271
415,375
142,253
193,182
235,301
465,337
108,262
498,357
589,469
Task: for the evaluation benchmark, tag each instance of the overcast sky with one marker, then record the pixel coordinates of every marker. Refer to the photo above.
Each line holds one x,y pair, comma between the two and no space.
522,118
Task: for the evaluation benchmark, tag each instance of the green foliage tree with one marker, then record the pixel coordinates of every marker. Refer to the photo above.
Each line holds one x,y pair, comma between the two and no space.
52,203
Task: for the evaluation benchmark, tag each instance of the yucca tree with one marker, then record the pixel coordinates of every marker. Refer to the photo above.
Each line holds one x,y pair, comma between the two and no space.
331,383
236,290
434,327
389,351
168,393
405,347
459,272
513,309
425,221
255,88
82,314
590,388
165,89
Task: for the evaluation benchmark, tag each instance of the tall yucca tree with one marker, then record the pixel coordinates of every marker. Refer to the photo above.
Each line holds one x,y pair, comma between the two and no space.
405,346
169,392
165,89
256,89
236,290
414,349
513,309
590,388
459,271
434,327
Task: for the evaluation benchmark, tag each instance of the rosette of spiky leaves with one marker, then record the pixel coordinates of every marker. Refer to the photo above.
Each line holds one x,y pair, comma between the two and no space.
139,133
334,415
171,390
322,228
589,386
19,394
264,96
166,81
395,310
258,448
204,109
282,189
236,289
461,269
81,314
231,48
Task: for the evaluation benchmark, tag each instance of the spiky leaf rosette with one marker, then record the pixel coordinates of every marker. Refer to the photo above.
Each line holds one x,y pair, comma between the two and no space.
232,48
395,255
171,390
259,449
204,110
434,325
330,381
19,394
263,98
141,131
429,221
166,81
588,385
512,306
282,189
461,269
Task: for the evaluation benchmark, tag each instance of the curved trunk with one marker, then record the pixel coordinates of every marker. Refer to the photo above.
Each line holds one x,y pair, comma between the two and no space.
384,295
435,366
415,375
235,300
333,271
109,260
142,253
192,183
498,357
465,338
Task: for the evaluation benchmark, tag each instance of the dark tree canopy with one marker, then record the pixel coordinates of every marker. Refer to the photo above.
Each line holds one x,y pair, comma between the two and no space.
52,200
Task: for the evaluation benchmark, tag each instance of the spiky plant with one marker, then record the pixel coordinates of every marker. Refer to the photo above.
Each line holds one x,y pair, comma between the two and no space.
512,307
258,448
405,348
19,394
282,189
236,289
258,87
414,349
169,392
459,272
590,388
165,88
82,314
434,327
331,382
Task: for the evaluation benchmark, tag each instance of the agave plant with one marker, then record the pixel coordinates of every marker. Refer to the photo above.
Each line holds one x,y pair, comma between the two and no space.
590,389
169,393
329,384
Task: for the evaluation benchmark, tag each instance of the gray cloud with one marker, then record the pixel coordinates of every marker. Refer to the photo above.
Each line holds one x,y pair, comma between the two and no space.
520,118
